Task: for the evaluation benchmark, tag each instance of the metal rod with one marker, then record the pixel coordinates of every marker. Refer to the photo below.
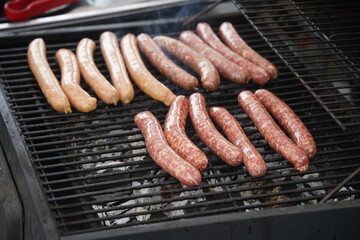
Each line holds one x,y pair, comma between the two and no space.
337,188
205,10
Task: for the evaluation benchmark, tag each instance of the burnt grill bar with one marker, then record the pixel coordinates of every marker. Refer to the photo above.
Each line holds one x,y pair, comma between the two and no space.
95,174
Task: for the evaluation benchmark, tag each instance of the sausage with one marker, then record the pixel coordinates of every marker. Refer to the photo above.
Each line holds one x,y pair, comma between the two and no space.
162,153
225,67
70,81
257,74
272,133
162,63
253,161
231,38
174,129
45,77
209,76
115,64
288,120
139,73
209,135
91,74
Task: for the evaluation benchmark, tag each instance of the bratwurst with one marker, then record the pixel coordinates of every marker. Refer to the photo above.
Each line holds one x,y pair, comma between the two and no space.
91,74
140,74
70,81
45,77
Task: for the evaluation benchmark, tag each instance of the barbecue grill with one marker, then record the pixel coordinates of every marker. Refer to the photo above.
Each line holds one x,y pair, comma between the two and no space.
89,176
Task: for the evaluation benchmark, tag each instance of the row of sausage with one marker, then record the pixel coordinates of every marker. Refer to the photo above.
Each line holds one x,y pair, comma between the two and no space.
173,151
204,53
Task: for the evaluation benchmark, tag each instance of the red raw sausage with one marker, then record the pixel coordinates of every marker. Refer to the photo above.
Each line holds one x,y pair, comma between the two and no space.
229,35
210,78
209,135
162,153
174,129
161,62
272,133
258,75
253,161
45,77
226,68
289,120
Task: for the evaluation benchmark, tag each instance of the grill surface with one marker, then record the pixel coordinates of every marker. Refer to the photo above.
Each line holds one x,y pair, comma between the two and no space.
94,169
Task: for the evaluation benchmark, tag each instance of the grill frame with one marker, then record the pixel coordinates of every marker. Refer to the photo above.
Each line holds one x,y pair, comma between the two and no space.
187,226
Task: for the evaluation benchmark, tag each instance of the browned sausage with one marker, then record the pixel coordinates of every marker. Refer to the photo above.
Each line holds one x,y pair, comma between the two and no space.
210,78
162,153
45,77
272,133
209,135
174,129
91,74
253,161
225,67
114,61
258,75
139,73
70,81
229,35
161,62
289,120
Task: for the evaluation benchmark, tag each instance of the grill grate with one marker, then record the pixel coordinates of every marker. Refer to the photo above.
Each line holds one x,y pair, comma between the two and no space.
316,47
95,172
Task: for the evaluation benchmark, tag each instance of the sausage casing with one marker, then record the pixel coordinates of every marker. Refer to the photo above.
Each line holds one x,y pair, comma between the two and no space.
115,64
45,77
225,67
210,79
161,62
91,74
209,135
253,160
232,39
162,153
70,81
205,32
174,129
139,73
272,133
288,120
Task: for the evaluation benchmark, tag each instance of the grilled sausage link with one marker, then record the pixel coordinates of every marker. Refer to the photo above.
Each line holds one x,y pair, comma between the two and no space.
225,67
229,35
70,81
257,74
161,62
272,133
140,75
162,153
289,120
45,77
91,74
115,64
209,135
210,79
253,161
174,129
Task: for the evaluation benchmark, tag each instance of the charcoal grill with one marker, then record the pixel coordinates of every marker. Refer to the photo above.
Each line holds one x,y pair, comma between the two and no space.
89,176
